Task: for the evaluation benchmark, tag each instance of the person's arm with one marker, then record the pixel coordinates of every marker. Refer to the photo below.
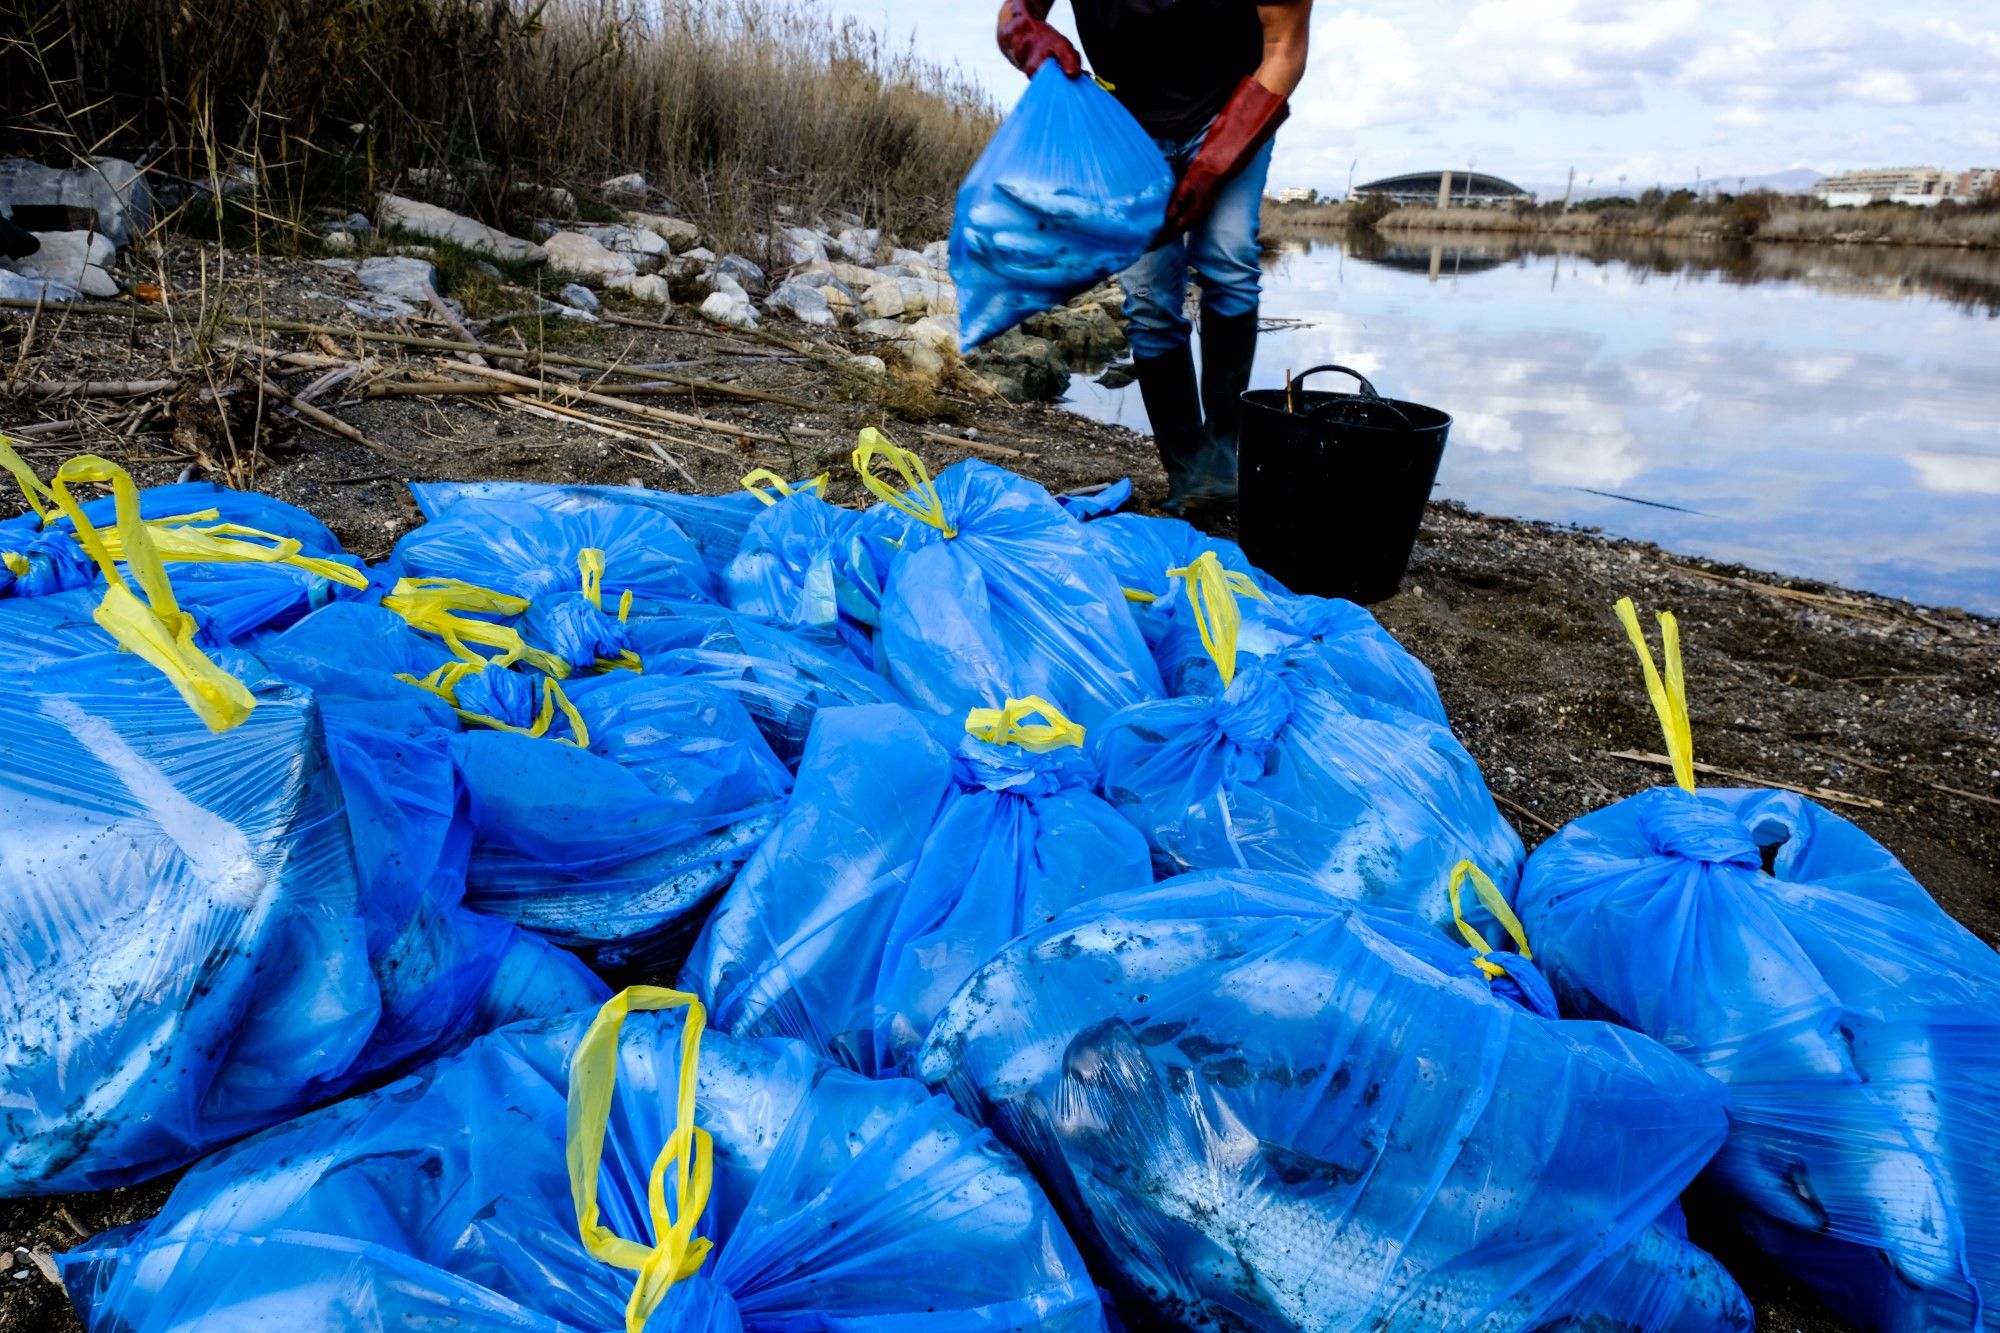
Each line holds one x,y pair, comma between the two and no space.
1027,39
1250,116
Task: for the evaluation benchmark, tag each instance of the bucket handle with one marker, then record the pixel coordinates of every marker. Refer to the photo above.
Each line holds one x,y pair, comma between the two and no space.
1368,390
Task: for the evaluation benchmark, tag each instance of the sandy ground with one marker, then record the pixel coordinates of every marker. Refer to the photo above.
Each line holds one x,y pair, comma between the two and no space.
1893,707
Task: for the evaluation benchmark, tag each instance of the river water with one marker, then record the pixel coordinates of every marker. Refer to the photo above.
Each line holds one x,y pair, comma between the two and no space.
1827,412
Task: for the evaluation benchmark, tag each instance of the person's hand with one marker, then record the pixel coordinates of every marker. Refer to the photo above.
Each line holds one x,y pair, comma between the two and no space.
1027,41
1250,116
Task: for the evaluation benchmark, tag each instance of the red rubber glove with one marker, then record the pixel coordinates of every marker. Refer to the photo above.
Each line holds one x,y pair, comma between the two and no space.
1027,41
1250,116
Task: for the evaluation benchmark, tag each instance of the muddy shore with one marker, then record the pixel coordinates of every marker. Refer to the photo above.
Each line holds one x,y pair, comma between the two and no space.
1891,710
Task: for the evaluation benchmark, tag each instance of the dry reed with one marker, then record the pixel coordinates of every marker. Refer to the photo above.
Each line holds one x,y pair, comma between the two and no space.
737,109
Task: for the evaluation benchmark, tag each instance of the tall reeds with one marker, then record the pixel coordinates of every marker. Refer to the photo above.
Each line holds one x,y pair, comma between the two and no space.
736,109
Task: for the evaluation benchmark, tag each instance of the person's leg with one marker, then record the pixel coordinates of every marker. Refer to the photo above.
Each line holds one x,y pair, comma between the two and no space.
1227,256
1158,329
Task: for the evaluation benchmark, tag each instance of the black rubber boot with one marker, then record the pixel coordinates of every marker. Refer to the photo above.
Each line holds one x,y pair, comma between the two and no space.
15,242
1228,347
1166,383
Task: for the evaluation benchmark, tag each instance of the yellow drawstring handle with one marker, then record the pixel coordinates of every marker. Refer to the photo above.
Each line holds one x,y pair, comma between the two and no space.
1669,695
1010,725
755,480
590,561
445,680
1141,596
1212,592
593,1071
916,478
433,605
175,540
155,629
17,564
1489,894
39,497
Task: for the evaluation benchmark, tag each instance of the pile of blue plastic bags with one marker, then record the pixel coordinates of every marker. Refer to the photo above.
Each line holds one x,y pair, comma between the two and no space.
1072,928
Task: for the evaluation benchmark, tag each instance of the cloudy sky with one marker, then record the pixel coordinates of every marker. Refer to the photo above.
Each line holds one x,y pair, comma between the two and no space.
1654,90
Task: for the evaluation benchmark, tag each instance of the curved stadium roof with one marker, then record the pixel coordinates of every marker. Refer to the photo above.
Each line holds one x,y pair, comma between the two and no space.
1426,183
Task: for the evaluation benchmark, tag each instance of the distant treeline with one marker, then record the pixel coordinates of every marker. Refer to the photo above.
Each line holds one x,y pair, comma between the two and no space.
734,108
1758,216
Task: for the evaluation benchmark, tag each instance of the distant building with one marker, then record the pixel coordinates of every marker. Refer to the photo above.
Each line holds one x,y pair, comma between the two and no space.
1293,195
1969,187
1450,189
1921,186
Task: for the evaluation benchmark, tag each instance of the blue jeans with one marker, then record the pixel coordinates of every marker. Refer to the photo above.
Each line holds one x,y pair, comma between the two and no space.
1223,250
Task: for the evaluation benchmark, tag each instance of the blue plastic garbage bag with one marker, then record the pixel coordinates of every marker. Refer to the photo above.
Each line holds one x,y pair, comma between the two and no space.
1100,503
1858,1025
532,551
714,524
1142,549
1069,191
609,840
782,678
1289,769
908,857
201,503
1259,1108
186,959
786,568
445,1200
989,590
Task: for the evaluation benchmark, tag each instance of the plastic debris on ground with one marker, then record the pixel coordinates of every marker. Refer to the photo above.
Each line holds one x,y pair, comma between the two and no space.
1286,768
785,1194
1783,950
1069,191
980,587
913,849
1258,1108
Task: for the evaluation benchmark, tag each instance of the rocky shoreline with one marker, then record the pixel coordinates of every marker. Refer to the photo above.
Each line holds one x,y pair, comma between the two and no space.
330,379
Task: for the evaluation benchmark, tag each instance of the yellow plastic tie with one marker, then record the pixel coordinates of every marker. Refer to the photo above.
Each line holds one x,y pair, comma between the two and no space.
590,562
553,699
38,496
755,481
156,629
17,564
1212,592
1489,894
434,606
1141,596
218,544
625,661
593,1073
1669,695
927,508
1010,725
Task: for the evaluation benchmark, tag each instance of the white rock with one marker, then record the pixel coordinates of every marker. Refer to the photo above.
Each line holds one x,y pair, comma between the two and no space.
701,254
71,259
917,294
337,239
935,334
112,190
551,199
718,281
725,309
869,365
645,287
16,287
883,301
803,244
859,243
558,310
741,269
580,296
676,232
901,255
359,224
888,329
630,188
803,302
645,248
938,252
921,360
441,224
574,252
406,279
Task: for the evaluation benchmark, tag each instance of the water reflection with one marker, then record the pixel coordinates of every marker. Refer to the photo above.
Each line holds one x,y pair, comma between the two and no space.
1824,411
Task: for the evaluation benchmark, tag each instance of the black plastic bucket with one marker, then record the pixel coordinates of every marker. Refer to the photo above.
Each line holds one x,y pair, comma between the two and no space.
1332,486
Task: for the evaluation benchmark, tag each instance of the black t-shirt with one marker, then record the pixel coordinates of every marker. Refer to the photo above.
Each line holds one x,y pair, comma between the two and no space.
1173,63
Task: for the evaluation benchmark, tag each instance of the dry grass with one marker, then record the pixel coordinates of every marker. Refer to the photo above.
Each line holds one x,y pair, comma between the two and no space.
1751,217
735,109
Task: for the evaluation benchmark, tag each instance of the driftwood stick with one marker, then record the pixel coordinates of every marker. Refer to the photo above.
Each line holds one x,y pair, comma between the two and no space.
1523,811
1827,794
570,391
332,425
90,388
974,446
